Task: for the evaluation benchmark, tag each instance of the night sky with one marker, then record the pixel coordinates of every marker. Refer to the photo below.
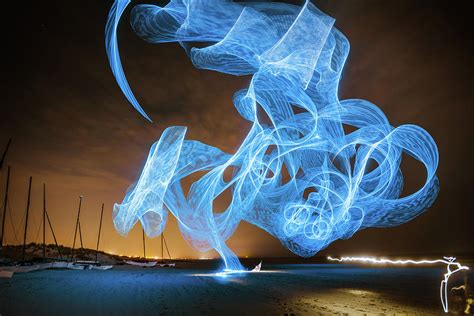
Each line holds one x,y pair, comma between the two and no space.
73,129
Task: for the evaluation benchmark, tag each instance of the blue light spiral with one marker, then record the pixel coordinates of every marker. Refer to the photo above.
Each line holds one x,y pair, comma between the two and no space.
299,175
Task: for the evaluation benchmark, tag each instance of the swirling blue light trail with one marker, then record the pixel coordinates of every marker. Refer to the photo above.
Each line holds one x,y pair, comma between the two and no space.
300,176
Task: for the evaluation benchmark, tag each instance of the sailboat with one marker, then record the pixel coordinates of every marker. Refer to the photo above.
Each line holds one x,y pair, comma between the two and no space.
86,264
142,263
5,200
163,263
29,266
98,265
257,268
149,264
24,266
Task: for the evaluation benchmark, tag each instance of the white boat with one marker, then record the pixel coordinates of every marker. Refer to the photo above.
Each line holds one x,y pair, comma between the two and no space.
85,262
68,265
101,267
41,266
92,265
25,269
170,264
74,266
59,265
149,264
258,267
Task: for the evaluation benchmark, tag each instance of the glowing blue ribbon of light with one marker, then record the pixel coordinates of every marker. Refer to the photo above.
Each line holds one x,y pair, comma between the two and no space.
299,175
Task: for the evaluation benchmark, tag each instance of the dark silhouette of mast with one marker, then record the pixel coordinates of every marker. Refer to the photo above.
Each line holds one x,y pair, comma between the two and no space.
26,219
162,258
80,237
5,201
144,250
46,218
54,236
5,153
98,236
167,250
44,221
49,222
77,224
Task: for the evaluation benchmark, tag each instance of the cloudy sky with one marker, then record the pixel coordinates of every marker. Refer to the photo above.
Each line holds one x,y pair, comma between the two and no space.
73,129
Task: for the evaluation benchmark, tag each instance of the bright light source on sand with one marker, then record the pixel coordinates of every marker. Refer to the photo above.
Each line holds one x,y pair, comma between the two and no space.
451,267
229,272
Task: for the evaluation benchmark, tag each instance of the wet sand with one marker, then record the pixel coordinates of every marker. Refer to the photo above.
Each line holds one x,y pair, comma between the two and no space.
312,289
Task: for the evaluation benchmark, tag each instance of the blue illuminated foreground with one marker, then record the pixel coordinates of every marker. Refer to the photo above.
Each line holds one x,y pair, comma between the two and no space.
299,174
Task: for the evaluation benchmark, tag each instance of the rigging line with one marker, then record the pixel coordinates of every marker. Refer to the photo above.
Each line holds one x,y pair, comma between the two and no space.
39,230
22,222
80,236
54,235
11,222
33,219
166,246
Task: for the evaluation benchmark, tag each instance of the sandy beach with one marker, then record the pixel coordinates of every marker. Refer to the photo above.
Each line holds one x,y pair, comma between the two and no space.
299,289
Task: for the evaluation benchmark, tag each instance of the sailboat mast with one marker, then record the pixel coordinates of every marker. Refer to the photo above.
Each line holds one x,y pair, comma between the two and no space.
80,236
26,219
167,250
44,220
5,201
162,236
77,224
144,250
5,153
98,237
54,235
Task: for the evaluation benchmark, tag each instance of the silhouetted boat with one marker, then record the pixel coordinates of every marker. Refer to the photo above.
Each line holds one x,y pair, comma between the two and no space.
144,264
149,264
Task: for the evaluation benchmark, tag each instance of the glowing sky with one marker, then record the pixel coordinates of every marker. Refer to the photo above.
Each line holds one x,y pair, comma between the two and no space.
73,129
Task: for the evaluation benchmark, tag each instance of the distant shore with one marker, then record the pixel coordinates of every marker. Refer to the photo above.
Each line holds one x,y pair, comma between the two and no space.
34,252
